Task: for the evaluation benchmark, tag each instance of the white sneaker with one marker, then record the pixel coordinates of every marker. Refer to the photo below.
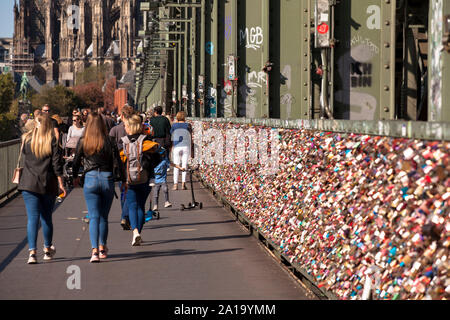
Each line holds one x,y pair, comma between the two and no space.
155,208
48,255
167,204
95,258
32,259
136,240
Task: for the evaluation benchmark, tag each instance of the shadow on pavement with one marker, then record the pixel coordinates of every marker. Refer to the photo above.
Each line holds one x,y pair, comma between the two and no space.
141,255
154,254
187,224
198,239
24,242
13,228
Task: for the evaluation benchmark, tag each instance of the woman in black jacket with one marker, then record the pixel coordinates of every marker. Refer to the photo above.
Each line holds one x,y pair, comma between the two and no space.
100,155
41,175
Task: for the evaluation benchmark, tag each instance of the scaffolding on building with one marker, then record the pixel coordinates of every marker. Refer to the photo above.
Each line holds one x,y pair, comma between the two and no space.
21,63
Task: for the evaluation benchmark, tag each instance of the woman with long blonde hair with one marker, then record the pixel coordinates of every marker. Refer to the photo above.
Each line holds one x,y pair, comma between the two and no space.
138,188
101,156
41,182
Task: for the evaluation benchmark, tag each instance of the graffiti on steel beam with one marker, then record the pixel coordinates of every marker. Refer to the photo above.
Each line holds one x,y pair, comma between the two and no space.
359,40
357,66
374,20
248,101
360,74
209,48
256,79
211,101
287,99
252,38
228,27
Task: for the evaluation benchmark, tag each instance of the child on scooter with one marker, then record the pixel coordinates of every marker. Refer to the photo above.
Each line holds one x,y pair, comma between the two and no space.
160,179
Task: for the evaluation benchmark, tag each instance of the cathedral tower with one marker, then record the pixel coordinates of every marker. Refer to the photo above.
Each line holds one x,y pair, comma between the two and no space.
56,39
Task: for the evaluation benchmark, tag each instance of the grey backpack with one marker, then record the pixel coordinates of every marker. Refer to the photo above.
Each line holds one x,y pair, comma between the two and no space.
133,150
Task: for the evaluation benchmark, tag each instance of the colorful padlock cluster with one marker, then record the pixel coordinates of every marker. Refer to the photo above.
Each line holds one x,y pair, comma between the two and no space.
366,216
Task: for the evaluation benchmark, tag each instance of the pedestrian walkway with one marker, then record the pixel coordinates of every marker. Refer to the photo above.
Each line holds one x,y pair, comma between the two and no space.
199,254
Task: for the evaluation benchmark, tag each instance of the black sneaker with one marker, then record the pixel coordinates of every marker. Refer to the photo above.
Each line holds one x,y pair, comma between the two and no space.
125,224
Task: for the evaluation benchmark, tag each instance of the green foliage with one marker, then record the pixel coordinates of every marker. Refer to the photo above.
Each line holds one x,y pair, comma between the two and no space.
14,110
60,99
92,74
8,126
7,87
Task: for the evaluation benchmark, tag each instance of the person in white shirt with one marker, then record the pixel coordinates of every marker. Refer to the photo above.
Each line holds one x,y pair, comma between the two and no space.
75,132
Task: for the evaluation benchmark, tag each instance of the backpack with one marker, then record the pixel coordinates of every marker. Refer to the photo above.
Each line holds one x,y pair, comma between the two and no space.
136,174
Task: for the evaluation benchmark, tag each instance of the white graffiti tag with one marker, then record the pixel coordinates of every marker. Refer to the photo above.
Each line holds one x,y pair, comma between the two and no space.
252,38
256,79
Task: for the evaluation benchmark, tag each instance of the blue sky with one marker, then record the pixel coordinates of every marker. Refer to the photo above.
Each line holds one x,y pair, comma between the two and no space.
6,18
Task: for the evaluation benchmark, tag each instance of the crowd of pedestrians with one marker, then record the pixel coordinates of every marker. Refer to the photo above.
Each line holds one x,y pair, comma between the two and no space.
129,148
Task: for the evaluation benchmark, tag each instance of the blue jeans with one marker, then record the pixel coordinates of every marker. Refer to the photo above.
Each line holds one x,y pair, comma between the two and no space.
39,206
98,193
135,200
123,204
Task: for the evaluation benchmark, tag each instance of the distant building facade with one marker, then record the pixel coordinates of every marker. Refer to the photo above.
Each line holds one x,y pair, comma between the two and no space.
56,39
5,54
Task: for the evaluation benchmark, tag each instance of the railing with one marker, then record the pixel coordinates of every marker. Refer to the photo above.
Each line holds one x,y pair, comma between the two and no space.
9,153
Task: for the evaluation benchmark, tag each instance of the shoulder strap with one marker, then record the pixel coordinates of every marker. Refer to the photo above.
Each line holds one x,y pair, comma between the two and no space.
125,139
128,161
20,153
139,162
141,138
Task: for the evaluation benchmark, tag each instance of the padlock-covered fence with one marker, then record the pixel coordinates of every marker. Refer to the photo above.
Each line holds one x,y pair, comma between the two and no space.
366,216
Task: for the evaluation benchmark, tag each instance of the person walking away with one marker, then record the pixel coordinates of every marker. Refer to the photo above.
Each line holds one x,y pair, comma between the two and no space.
30,125
74,134
99,154
62,129
118,132
161,128
171,118
84,114
108,120
62,126
181,133
46,109
36,113
137,155
41,180
23,120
